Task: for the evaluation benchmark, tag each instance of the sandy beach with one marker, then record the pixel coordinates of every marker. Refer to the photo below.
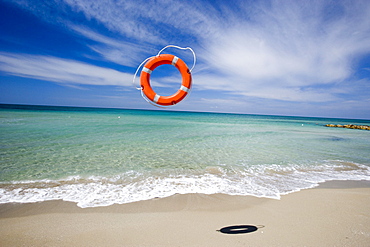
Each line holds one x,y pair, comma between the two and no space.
334,214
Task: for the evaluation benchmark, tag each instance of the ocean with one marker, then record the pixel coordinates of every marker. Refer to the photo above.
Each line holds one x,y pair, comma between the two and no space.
99,157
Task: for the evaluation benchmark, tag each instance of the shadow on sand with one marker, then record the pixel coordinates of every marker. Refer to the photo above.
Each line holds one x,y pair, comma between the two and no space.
240,229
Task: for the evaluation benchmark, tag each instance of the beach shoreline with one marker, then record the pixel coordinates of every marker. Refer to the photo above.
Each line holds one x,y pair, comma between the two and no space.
334,214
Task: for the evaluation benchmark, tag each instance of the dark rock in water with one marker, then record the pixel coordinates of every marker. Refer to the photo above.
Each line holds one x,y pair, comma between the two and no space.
350,126
336,139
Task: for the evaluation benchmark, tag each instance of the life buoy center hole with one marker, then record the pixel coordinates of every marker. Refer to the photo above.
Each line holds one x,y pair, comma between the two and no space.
165,80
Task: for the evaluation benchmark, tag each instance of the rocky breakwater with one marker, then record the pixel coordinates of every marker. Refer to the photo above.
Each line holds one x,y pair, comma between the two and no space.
350,126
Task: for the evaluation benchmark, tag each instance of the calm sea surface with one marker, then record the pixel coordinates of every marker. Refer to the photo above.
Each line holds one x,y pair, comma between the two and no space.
98,157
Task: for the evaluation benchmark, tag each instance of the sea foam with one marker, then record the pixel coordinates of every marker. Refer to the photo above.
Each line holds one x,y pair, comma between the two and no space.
269,181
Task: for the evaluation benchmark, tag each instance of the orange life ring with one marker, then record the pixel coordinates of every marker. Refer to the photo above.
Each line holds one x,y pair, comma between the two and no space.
153,63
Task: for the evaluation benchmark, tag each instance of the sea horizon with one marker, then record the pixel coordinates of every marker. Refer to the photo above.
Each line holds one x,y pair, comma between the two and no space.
168,109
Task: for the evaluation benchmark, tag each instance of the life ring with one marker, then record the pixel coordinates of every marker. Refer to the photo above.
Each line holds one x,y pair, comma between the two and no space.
153,63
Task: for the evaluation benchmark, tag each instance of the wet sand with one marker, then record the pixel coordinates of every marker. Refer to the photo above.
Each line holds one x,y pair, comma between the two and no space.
334,214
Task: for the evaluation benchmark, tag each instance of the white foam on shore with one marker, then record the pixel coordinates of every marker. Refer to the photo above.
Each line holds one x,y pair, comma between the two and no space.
270,181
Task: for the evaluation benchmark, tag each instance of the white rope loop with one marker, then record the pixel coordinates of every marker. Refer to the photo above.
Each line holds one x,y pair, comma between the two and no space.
138,68
181,48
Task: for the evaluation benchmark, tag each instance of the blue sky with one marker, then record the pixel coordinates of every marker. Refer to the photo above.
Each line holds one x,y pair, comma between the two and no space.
301,58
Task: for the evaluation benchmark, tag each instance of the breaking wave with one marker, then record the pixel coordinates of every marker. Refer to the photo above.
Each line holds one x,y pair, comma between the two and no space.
270,181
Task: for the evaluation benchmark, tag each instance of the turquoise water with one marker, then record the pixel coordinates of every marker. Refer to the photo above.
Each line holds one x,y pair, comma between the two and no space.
98,157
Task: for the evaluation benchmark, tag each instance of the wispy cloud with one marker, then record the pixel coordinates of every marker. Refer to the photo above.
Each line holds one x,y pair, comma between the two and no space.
292,42
118,16
281,50
61,70
113,50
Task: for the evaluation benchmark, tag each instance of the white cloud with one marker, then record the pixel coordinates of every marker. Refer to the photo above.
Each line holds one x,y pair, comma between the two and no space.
292,44
292,94
61,70
280,50
114,50
236,86
118,16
